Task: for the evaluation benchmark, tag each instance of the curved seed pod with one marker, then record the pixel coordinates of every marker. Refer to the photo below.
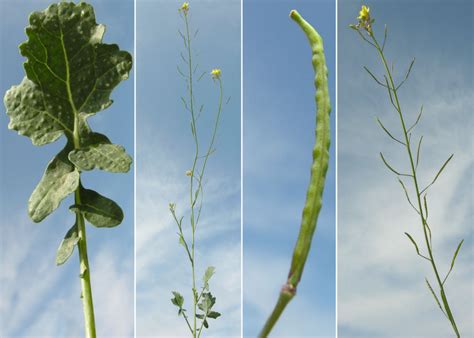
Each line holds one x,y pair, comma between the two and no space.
318,173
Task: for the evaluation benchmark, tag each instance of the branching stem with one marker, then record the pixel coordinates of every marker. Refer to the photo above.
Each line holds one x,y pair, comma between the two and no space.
393,91
196,174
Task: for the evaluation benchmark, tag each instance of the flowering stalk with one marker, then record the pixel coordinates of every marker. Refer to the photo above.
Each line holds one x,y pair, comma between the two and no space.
318,174
364,29
203,300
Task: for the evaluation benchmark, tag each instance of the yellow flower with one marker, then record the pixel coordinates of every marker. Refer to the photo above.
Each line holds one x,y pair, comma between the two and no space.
184,8
364,14
216,73
365,21
189,173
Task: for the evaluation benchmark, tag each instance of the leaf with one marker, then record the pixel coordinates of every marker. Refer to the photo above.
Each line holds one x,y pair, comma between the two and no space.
388,133
59,180
456,254
435,297
439,173
177,300
182,241
206,324
413,241
67,245
98,210
207,302
388,166
70,73
213,315
207,276
408,196
418,152
101,154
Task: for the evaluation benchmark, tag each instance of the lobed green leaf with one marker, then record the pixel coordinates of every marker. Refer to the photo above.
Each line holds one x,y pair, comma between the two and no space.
98,210
69,72
177,300
208,275
67,245
100,153
59,180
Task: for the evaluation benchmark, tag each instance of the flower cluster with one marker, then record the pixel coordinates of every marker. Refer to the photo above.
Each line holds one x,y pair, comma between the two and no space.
364,20
184,8
216,73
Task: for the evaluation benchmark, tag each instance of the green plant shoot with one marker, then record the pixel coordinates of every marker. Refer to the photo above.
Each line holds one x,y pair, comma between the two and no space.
70,75
364,28
318,174
203,301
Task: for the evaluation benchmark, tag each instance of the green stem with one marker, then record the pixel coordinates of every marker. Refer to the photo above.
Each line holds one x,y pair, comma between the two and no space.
319,168
196,156
417,189
86,294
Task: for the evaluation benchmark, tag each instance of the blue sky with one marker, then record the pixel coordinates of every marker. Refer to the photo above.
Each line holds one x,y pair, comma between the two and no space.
381,288
279,122
164,153
38,298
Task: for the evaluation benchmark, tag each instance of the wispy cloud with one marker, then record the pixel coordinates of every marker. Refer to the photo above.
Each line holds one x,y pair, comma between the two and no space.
42,300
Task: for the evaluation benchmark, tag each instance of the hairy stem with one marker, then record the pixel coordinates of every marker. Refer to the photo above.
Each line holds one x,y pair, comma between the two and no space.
424,224
86,293
86,289
318,174
196,156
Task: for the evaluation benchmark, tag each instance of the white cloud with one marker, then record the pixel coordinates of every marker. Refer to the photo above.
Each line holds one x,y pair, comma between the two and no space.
42,300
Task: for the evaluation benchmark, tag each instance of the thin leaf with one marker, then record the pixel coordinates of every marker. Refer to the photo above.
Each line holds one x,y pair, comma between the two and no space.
388,133
391,168
408,196
416,246
407,74
183,58
453,260
201,76
413,241
389,89
426,207
417,120
456,253
384,38
435,297
418,152
439,173
374,77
